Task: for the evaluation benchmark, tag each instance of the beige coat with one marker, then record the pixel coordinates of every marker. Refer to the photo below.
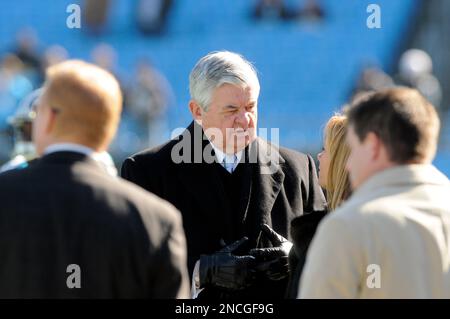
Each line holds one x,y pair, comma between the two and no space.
391,239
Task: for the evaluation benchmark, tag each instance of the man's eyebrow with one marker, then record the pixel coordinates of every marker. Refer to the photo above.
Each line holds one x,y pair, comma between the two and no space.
231,107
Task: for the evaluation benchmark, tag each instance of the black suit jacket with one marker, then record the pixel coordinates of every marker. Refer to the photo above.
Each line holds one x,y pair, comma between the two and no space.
272,193
64,209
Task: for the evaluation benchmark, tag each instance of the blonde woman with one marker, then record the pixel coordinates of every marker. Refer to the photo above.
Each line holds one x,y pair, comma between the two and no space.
333,178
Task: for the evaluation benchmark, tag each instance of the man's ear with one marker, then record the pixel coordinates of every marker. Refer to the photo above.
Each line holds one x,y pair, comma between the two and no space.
196,110
51,121
374,145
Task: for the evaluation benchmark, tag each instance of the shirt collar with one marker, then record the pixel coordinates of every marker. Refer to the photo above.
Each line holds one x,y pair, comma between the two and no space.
229,158
72,147
103,158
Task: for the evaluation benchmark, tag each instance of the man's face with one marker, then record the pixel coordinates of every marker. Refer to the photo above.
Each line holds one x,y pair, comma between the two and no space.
233,116
359,160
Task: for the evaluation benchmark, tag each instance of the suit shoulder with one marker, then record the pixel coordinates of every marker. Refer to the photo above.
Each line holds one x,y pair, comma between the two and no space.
15,175
151,208
137,194
295,162
289,155
161,152
152,161
294,157
359,211
159,217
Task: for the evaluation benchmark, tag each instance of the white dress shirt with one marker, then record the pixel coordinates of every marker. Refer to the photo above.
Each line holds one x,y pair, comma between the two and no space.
228,161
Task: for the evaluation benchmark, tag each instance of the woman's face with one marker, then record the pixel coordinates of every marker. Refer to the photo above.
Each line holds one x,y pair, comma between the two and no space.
324,165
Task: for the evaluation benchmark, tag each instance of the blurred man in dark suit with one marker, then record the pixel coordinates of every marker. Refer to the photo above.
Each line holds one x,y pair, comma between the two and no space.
227,183
67,228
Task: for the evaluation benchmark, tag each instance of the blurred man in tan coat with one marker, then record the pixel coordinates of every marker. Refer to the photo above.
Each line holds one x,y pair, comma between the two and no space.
392,238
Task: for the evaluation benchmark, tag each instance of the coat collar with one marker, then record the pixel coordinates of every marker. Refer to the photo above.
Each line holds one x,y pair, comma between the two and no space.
412,174
269,175
69,158
268,180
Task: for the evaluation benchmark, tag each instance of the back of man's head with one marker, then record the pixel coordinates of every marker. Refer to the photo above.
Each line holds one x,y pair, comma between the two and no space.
406,123
88,103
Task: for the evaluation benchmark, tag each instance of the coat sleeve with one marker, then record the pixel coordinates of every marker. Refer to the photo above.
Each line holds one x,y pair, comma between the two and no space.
170,275
168,267
132,172
316,199
334,262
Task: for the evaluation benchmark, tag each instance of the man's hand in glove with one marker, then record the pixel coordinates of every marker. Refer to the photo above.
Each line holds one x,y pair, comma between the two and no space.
273,262
225,270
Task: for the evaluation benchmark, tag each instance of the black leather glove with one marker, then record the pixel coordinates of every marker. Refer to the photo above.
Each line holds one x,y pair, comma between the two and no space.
225,270
273,262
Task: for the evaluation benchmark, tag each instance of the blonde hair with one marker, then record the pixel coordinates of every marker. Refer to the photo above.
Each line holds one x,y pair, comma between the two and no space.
338,183
88,101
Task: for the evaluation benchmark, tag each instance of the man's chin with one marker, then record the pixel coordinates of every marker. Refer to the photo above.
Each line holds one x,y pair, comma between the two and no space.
240,145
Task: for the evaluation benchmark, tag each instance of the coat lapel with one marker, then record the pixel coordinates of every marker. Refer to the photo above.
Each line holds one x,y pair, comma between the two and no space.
202,181
267,182
246,188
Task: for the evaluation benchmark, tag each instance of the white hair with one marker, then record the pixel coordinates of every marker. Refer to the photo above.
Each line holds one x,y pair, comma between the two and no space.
217,68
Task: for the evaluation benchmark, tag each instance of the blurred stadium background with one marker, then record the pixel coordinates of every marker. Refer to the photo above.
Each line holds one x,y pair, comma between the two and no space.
312,57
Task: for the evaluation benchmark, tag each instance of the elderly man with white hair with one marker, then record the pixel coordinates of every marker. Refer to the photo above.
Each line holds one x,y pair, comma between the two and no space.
236,191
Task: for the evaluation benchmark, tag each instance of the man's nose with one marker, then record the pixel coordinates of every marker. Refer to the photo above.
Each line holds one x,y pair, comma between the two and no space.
243,119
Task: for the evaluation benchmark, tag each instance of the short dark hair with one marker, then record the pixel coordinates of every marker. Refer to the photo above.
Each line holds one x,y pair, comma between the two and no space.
407,124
